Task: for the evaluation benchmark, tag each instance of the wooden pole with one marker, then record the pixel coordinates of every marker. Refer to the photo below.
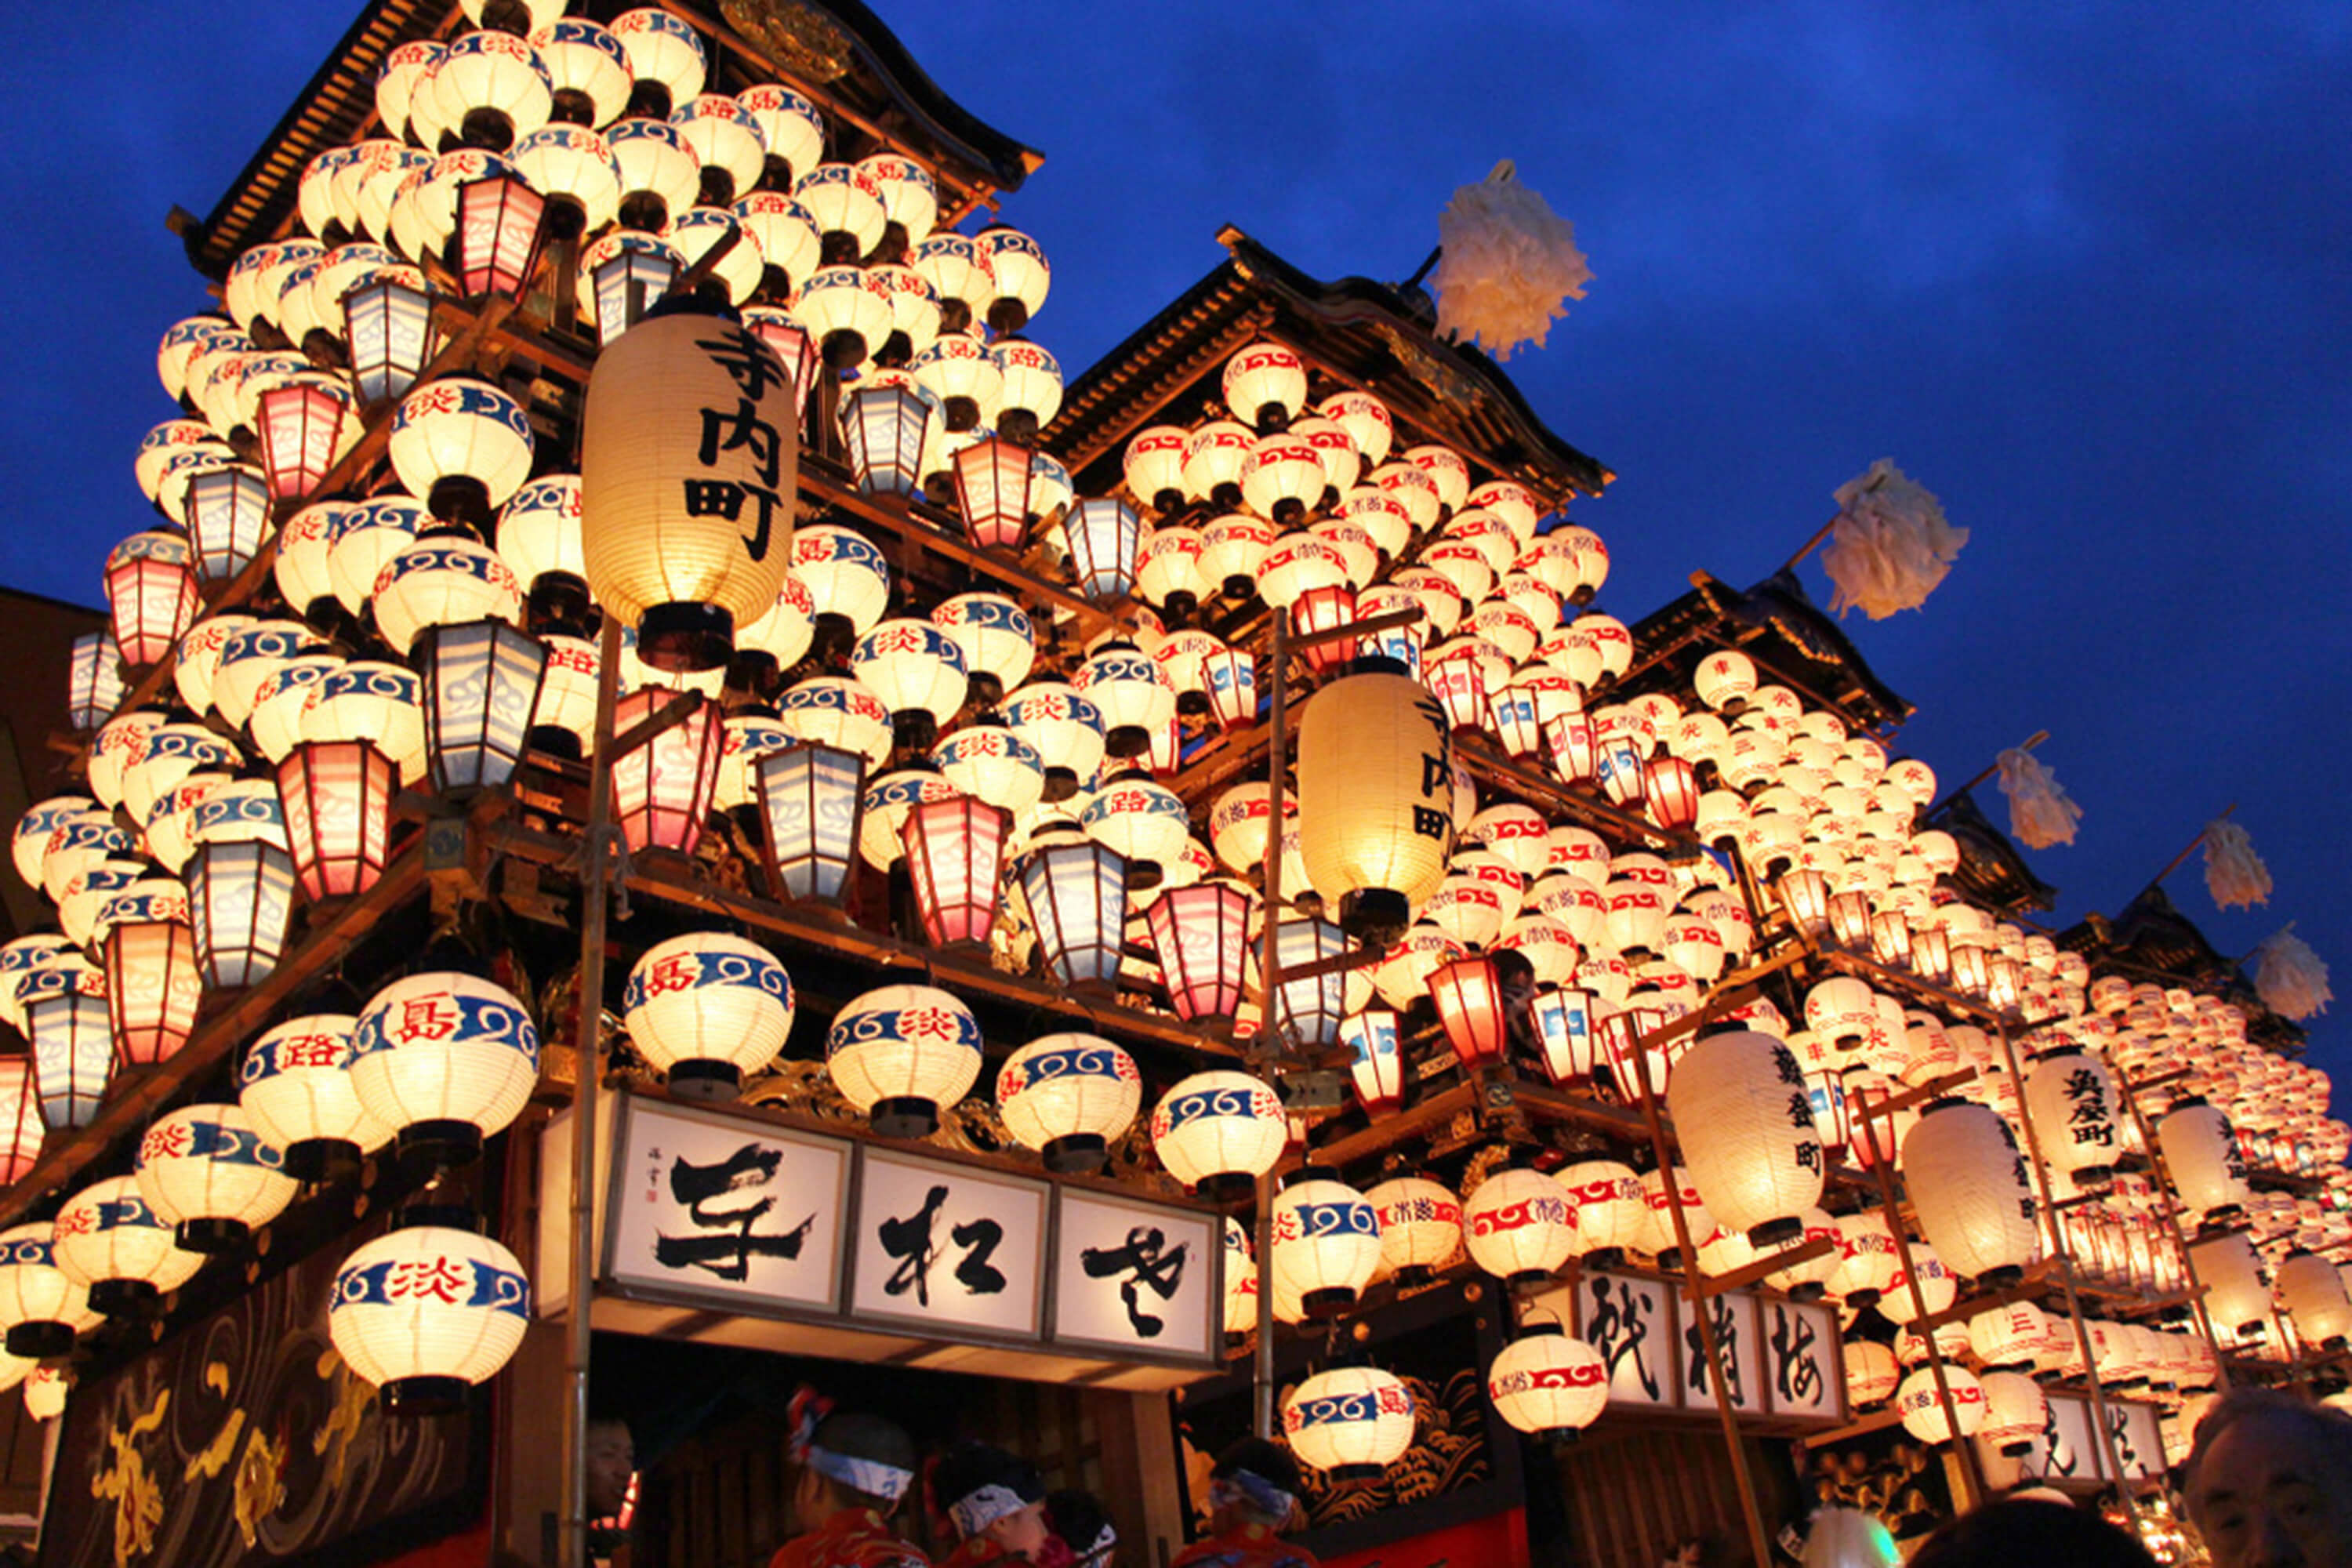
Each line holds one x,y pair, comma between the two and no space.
2170,1192
2066,1278
1270,978
2191,849
1820,535
1991,768
1971,1466
595,898
1693,1289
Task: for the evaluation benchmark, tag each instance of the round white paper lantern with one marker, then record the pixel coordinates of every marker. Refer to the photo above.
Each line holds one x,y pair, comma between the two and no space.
1747,1124
41,1308
1351,1423
446,1059
687,516
2202,1154
1938,1289
1922,1408
1518,1226
2009,1335
1969,1185
2015,1413
1548,1385
206,1170
1867,1260
2070,1098
112,1243
1605,1209
1217,1131
1421,1226
463,445
900,1053
2312,1294
709,1009
1327,1242
295,1084
1067,1095
1870,1371
426,1312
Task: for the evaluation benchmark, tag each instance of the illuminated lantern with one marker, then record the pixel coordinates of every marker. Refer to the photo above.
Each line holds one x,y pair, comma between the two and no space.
2201,1154
955,850
1867,1260
917,671
1327,1242
173,753
2237,1294
21,1129
444,1059
1870,1371
2011,1335
847,579
1606,1209
1375,773
240,884
28,845
1267,385
1420,1225
885,421
1076,894
1017,264
206,1170
1518,1226
228,516
1923,1410
1842,1011
539,539
707,1009
1938,1288
441,580
282,702
1377,1066
109,1242
21,958
82,847
152,987
1240,1282
1969,1186
622,277
465,446
295,1083
1032,388
1308,1011
336,799
835,711
427,1312
481,682
1144,822
810,798
174,817
388,333
40,1307
2312,1294
2070,1099
1218,1132
1106,539
902,1052
998,642
64,1011
1201,934
1548,1385
1234,550
1069,1096
992,482
1749,1133
1351,1423
662,789
152,595
2015,1413
1469,997
686,522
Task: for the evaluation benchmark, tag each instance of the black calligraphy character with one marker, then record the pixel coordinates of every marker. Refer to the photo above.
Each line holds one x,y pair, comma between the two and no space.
1152,1271
1809,1155
725,498
2063,1458
910,1241
2119,1428
1784,1062
727,1250
1727,1338
1801,1110
1617,1332
747,363
974,1273
1796,1371
746,430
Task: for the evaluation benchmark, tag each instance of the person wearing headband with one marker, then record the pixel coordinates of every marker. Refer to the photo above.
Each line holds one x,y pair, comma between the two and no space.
995,1505
1082,1528
853,1470
1252,1497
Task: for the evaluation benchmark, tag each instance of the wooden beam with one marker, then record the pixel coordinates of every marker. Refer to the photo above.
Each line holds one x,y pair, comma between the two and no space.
1763,1268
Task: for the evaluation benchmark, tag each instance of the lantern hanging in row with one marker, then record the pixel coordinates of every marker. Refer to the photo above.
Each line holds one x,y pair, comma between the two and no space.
117,1248
2202,1156
1201,935
445,1060
427,1312
295,1083
1421,1228
707,1009
228,516
1749,1133
662,787
152,986
481,683
2070,1099
1548,1385
64,1004
1308,1011
206,1170
1469,996
240,884
1961,1167
1327,1242
900,1054
1067,1097
40,1307
1218,1132
1518,1226
1351,1423
810,797
336,797
955,850
388,333
151,594
1076,894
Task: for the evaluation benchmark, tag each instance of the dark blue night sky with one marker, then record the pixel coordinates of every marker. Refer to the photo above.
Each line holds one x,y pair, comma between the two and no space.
2080,269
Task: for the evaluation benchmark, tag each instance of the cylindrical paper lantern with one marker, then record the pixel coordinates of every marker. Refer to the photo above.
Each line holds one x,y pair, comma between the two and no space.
1375,790
1968,1182
206,1170
1747,1124
1546,1384
2070,1097
2202,1153
2313,1296
1518,1226
1922,1408
1067,1095
447,1059
1218,1132
1327,1242
900,1053
1870,1371
690,466
2014,1412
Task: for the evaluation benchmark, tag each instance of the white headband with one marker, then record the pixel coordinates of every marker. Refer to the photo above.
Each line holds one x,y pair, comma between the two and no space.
868,1478
978,1508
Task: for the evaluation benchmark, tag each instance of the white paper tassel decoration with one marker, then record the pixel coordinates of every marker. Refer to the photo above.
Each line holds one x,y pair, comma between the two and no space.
2290,977
2234,874
2040,813
1509,262
1891,546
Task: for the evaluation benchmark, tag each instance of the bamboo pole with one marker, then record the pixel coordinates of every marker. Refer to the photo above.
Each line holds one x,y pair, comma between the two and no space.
1989,768
1821,534
1971,1466
595,903
2171,1195
2066,1280
1693,1289
1270,978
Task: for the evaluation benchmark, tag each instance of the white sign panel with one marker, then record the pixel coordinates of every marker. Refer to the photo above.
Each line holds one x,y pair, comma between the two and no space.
2069,1448
743,1216
1802,1366
1632,1323
1136,1278
1733,1316
2139,1441
949,1249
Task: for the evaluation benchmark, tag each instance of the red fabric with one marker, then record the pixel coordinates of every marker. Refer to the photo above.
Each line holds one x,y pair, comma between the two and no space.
853,1538
1497,1540
1250,1546
469,1549
976,1550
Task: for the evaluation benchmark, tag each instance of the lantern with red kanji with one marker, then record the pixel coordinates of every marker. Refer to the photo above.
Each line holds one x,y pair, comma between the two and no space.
153,986
447,1059
427,1312
902,1053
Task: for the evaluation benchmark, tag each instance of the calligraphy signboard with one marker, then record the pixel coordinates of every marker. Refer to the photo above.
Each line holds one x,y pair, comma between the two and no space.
1803,1369
953,1249
1733,1316
1632,1321
725,1210
1784,1360
1136,1278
